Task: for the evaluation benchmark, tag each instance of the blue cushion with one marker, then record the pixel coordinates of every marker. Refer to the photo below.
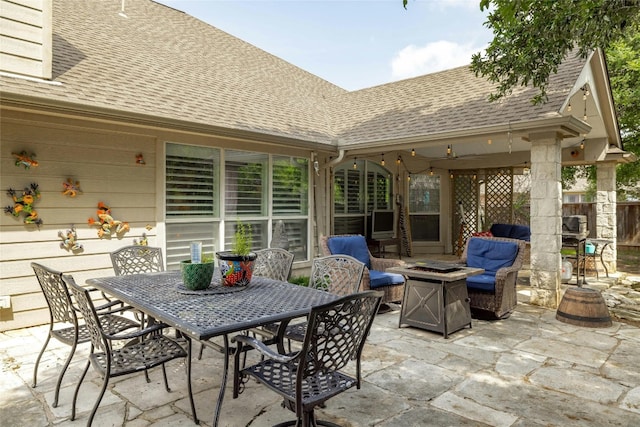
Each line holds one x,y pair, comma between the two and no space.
512,231
381,278
500,230
356,246
521,232
491,255
482,282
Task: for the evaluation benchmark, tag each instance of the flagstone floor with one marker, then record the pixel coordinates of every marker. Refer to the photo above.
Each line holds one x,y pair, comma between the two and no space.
527,370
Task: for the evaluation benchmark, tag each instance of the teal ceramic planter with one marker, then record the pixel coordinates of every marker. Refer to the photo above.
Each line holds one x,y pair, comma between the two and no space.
197,277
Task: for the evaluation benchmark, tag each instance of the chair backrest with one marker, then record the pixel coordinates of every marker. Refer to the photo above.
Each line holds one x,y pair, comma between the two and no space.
336,333
338,274
137,259
86,307
274,263
56,294
495,249
354,245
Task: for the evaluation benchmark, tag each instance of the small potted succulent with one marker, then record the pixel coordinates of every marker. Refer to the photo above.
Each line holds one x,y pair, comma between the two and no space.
236,265
197,276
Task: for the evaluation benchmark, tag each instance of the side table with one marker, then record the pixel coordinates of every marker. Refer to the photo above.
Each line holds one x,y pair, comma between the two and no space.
379,244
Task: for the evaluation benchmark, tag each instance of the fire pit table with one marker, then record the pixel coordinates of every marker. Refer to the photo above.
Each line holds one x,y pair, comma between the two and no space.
435,296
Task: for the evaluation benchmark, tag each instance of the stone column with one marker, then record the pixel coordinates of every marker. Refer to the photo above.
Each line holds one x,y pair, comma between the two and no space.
546,218
606,226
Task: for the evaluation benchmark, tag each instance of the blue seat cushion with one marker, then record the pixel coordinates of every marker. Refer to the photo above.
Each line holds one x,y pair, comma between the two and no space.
491,255
482,282
381,278
356,246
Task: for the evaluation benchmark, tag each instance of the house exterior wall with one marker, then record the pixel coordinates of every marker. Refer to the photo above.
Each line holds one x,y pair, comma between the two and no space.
102,157
26,37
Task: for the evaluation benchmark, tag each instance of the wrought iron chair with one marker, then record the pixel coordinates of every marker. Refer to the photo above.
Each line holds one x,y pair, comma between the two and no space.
337,274
335,335
114,355
62,314
274,263
136,259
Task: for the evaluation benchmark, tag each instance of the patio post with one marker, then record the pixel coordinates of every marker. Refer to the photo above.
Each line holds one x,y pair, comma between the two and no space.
546,218
606,224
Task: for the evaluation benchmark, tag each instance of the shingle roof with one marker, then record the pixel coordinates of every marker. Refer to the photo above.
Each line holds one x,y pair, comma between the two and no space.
164,63
444,101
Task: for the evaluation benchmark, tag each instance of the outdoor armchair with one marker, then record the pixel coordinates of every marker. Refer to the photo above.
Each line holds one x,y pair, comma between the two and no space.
335,335
494,292
374,276
63,320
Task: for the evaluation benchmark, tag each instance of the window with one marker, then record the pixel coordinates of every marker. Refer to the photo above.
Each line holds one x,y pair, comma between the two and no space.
259,190
424,207
192,204
351,190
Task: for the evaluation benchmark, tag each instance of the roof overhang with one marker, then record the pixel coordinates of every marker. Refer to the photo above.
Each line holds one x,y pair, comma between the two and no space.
26,103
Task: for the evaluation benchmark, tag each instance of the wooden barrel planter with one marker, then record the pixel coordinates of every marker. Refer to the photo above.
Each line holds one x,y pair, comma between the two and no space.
584,307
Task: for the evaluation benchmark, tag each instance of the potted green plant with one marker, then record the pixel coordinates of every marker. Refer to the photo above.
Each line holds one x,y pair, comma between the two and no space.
197,276
236,265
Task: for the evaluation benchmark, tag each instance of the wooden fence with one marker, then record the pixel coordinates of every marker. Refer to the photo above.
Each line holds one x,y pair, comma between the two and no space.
627,218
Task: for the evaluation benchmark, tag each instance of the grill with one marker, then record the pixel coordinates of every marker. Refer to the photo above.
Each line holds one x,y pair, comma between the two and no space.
574,228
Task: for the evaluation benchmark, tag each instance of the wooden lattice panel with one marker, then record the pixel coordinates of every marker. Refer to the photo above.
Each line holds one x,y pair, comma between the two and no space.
498,203
465,207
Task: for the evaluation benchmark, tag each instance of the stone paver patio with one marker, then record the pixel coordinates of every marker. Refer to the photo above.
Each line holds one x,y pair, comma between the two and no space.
527,370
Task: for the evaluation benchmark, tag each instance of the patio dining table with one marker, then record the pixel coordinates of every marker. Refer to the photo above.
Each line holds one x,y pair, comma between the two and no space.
215,312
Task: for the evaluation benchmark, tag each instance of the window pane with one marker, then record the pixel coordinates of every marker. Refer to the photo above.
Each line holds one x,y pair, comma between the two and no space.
297,236
424,194
424,207
290,193
180,235
258,234
192,181
245,183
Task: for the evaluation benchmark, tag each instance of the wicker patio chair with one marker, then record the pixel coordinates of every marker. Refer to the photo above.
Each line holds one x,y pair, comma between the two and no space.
335,335
274,263
501,302
62,314
136,259
114,355
392,293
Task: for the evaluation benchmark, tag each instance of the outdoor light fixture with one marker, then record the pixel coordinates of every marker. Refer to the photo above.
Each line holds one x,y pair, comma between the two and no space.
413,152
408,177
448,150
582,144
431,171
398,160
451,174
355,165
382,160
569,107
489,141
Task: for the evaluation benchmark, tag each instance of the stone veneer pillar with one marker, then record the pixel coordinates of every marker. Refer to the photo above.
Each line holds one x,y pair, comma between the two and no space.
606,225
546,218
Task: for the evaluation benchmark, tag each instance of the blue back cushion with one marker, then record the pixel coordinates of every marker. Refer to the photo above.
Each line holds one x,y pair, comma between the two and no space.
491,255
521,232
500,230
356,246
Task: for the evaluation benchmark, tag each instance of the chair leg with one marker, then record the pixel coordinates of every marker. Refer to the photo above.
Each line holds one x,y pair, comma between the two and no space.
164,375
62,372
200,352
97,404
35,368
75,393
